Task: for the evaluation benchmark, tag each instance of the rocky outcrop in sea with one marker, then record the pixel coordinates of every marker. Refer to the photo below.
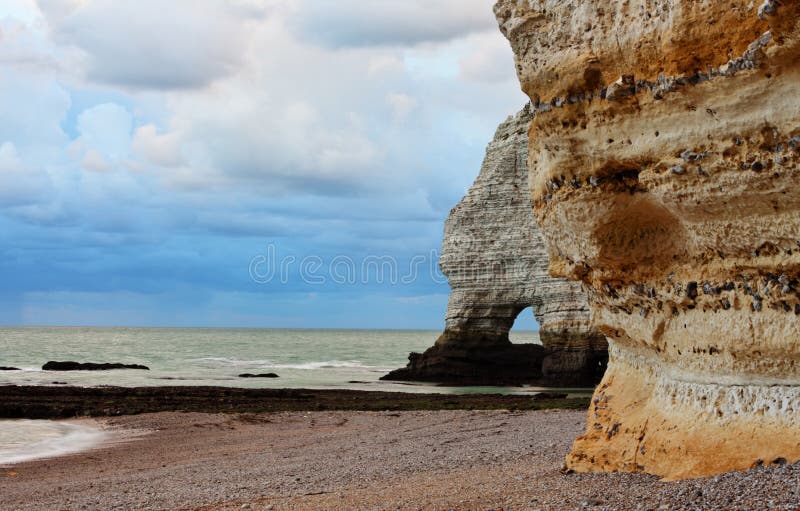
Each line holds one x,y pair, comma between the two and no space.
495,259
89,366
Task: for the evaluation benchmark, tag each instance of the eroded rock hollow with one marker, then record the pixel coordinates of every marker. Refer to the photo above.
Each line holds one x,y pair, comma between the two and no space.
664,157
496,262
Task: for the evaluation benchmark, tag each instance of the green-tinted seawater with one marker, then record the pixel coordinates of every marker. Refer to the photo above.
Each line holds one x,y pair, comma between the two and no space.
352,359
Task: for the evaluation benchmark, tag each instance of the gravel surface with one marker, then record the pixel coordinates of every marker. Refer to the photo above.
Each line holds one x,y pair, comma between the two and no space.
446,460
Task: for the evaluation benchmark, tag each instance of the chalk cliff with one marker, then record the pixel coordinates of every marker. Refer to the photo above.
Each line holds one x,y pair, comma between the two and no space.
664,157
496,263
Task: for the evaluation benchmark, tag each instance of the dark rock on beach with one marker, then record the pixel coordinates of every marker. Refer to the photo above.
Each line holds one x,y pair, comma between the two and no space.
89,366
9,368
53,402
262,375
550,395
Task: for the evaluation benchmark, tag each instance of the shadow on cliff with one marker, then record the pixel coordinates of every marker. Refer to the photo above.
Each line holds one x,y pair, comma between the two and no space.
489,358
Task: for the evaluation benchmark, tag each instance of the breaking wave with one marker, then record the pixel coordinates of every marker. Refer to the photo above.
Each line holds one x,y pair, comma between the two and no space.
26,440
269,364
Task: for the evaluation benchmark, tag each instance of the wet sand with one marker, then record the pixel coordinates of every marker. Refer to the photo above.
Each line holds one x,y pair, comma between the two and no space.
460,460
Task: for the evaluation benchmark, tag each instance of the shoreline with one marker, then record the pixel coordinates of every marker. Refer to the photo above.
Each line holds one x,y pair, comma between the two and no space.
58,402
66,437
345,460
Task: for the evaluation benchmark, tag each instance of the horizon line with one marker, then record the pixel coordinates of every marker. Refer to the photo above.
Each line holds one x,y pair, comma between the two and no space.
387,329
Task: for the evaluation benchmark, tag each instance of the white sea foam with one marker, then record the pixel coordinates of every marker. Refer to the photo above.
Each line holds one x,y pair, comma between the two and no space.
26,440
235,362
329,364
269,364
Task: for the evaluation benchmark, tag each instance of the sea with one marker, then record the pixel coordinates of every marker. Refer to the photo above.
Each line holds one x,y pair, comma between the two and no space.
314,359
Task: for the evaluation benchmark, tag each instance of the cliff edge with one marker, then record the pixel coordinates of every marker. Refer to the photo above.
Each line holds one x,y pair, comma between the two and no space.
495,260
664,156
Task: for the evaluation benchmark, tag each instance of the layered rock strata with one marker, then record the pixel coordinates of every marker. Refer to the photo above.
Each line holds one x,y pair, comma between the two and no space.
496,262
664,158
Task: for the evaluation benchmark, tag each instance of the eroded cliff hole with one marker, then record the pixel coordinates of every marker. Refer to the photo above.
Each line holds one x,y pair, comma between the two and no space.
525,328
638,231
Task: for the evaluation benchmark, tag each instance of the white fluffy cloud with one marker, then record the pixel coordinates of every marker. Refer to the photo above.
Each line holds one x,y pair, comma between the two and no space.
203,99
106,128
385,64
19,184
95,161
104,140
402,105
157,148
32,106
18,9
490,60
154,44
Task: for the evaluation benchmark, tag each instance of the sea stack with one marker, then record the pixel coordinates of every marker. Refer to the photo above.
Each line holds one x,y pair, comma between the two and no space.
495,260
663,157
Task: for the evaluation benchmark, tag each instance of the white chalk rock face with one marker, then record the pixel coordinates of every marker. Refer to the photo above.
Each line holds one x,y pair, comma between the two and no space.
496,262
664,159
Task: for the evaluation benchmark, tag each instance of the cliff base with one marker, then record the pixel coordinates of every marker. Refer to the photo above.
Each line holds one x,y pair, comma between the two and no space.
477,359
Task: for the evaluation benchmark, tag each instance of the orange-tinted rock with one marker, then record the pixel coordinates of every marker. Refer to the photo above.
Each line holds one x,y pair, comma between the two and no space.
664,159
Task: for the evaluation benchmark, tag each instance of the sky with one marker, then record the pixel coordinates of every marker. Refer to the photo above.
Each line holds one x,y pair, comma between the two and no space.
252,163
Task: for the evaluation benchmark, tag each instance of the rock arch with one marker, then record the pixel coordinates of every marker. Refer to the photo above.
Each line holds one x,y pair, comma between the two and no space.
496,261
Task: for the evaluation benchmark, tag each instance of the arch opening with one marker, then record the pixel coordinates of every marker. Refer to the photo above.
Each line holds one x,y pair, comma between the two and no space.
525,329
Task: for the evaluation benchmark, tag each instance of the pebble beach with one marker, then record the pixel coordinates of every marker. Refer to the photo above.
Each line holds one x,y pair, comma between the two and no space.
431,460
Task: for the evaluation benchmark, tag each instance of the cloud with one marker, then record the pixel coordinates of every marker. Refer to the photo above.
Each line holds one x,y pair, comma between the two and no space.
95,161
359,23
31,108
152,44
106,128
275,151
23,10
104,140
194,307
9,159
491,61
19,184
385,64
21,46
402,105
159,149
284,128
150,146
